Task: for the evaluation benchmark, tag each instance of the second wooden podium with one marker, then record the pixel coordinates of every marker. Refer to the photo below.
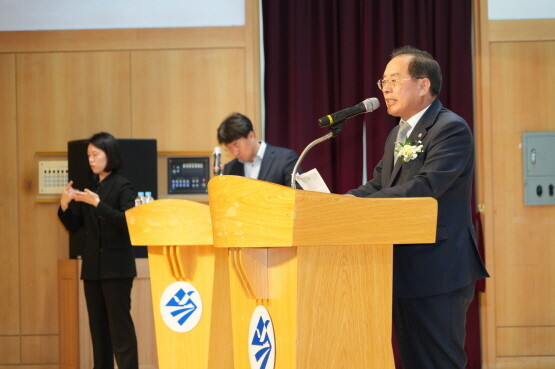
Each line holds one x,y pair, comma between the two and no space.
320,265
189,284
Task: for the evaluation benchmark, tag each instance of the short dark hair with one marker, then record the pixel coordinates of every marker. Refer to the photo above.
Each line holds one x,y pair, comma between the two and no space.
235,126
108,143
422,64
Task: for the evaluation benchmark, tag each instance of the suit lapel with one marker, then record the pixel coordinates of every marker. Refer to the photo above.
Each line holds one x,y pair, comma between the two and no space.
267,160
104,191
396,167
388,166
417,134
107,186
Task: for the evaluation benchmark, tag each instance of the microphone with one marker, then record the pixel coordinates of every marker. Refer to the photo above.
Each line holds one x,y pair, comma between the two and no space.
366,106
217,161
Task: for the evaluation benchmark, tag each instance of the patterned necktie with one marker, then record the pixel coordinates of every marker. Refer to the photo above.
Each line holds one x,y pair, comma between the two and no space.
401,137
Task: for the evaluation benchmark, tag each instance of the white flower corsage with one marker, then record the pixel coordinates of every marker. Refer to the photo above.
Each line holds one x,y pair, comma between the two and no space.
408,151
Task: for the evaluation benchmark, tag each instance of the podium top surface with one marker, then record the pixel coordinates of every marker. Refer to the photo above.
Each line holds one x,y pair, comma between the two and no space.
251,213
175,222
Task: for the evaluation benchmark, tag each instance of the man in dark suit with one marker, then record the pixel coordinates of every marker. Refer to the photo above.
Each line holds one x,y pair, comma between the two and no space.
253,158
433,285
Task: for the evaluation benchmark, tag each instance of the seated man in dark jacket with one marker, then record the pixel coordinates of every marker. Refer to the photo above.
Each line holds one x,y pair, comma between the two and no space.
253,158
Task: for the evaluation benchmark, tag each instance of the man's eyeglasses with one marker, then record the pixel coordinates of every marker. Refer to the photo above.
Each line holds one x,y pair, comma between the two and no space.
382,83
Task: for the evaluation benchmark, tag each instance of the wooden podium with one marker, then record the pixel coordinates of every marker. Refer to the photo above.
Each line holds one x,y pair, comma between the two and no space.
321,264
180,249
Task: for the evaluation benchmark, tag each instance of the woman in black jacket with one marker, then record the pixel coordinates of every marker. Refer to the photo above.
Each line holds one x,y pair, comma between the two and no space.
108,265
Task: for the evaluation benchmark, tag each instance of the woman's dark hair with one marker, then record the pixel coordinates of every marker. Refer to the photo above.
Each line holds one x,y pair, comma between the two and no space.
422,64
108,143
233,128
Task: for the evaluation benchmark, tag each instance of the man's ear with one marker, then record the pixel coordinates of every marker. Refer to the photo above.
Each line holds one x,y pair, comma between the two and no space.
425,85
251,135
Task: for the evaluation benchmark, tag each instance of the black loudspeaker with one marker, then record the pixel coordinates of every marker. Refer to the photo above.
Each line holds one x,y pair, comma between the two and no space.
139,166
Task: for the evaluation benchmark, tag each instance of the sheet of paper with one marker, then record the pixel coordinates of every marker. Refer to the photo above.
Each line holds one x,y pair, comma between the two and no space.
312,181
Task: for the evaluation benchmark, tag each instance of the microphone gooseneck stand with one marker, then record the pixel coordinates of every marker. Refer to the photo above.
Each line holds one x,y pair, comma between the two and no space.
335,129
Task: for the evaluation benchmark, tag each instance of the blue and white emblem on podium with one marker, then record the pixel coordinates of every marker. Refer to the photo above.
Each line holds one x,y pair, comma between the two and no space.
262,342
181,306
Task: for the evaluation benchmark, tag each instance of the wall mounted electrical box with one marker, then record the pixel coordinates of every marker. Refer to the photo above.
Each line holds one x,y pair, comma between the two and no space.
52,177
538,149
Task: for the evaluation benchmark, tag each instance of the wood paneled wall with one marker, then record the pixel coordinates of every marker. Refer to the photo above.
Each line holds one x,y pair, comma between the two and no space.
174,85
515,93
9,234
